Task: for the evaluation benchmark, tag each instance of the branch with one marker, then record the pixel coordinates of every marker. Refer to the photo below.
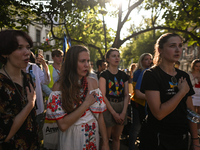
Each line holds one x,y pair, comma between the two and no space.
121,23
160,27
89,45
188,15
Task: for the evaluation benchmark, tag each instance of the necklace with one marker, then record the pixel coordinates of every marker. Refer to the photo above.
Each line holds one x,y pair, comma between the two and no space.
22,95
113,72
83,91
173,80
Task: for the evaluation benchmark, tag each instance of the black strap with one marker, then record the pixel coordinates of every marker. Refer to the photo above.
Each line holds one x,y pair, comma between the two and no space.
27,81
30,68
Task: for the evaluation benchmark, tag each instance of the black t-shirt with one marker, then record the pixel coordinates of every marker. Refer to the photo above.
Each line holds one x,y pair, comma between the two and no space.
114,83
98,74
176,122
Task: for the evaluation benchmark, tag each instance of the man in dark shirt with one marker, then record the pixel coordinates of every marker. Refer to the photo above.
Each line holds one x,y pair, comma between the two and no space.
101,65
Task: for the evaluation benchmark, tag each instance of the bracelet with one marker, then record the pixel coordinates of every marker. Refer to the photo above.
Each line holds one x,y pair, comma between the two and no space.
194,138
196,145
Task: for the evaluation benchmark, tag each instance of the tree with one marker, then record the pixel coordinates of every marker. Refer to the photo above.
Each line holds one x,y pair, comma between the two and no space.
179,16
16,13
144,43
79,19
76,18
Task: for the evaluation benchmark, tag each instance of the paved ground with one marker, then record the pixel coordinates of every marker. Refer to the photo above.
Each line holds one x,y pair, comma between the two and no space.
123,145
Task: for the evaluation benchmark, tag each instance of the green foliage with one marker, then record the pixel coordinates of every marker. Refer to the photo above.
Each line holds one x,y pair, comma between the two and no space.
79,19
144,43
182,15
16,14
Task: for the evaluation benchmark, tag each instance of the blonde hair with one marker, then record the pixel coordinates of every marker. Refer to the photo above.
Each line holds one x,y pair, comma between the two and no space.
139,66
131,66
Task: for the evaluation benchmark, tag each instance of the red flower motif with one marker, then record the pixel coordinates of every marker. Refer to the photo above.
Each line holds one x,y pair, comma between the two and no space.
54,98
53,104
91,145
90,133
87,127
93,126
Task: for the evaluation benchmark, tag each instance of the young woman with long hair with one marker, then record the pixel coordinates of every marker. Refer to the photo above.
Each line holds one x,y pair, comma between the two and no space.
77,104
114,86
168,93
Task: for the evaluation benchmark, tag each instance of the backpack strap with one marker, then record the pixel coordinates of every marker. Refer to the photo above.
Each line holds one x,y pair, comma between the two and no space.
30,68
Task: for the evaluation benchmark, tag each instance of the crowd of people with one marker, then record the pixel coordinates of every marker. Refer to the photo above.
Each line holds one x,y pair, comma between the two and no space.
82,109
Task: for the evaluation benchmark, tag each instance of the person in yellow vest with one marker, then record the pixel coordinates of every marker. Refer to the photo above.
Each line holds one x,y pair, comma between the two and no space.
138,99
54,69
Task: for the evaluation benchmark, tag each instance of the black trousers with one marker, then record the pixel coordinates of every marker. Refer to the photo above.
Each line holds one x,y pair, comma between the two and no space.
151,140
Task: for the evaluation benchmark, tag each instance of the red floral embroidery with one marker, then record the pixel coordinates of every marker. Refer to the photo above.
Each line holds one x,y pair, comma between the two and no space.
90,143
93,126
90,133
54,103
87,127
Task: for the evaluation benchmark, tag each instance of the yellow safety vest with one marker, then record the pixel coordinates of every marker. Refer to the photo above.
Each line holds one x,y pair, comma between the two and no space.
50,85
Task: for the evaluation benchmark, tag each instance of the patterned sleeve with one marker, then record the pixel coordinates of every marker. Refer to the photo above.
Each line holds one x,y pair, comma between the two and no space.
6,114
54,107
99,106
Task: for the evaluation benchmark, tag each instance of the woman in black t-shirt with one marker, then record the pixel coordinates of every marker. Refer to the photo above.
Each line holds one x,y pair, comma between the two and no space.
114,86
168,92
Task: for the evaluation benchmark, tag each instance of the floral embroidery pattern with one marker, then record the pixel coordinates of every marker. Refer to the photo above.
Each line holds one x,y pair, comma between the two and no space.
90,130
54,103
99,105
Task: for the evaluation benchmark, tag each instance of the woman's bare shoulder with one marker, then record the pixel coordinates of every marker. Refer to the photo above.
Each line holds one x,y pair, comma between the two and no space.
56,86
92,83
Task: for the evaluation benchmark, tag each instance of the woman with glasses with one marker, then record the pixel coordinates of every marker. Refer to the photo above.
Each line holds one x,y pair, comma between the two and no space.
168,93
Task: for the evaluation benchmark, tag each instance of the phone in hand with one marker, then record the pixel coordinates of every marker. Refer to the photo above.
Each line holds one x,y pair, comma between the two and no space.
40,51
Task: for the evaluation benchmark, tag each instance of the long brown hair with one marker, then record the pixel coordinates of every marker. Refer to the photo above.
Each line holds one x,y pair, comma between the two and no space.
69,85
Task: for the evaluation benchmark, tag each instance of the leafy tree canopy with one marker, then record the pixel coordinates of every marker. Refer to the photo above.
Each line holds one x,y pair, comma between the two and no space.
79,19
144,43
